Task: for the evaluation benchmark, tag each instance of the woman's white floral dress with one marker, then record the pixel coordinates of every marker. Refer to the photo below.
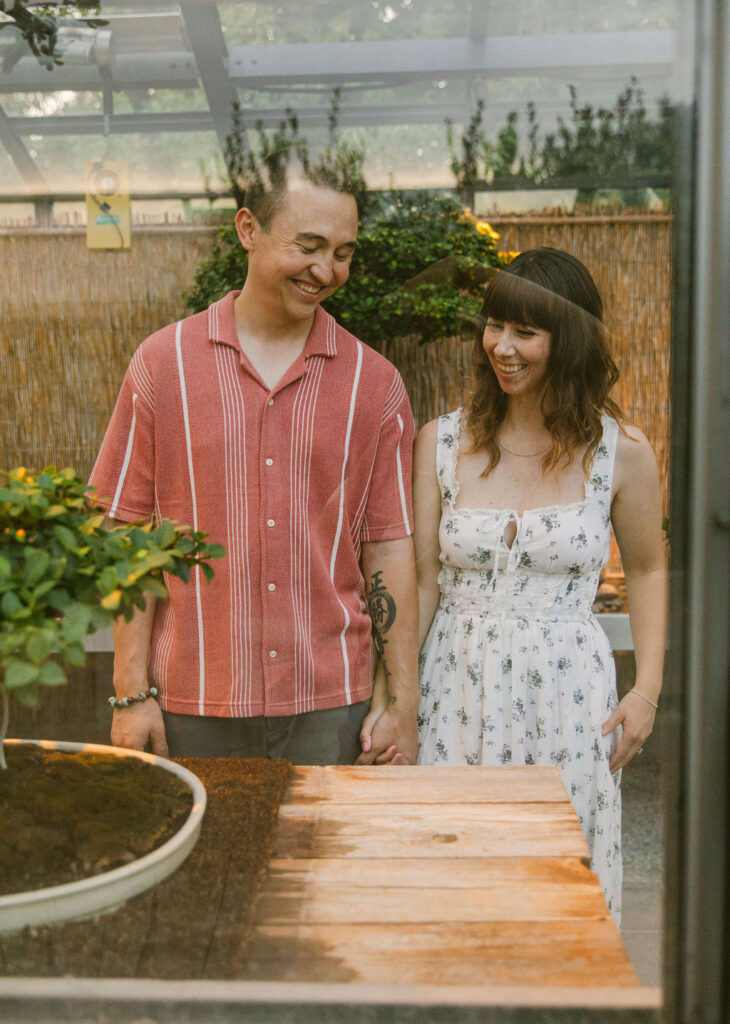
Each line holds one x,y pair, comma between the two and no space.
515,668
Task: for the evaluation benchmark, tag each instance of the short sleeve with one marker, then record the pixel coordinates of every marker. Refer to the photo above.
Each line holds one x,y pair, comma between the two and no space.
123,474
389,509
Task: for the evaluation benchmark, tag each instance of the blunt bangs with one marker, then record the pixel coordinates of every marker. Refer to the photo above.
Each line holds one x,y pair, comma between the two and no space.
510,298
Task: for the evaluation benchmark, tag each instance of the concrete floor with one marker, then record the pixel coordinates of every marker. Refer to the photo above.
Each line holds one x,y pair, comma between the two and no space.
641,920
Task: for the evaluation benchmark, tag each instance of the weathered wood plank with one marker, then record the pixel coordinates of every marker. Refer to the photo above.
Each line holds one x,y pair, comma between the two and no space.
506,873
426,784
284,903
573,953
453,831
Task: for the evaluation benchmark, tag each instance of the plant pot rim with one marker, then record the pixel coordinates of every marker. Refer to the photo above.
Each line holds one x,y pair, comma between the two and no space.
106,891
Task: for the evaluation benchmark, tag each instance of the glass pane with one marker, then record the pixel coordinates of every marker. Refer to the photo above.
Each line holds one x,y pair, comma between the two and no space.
483,130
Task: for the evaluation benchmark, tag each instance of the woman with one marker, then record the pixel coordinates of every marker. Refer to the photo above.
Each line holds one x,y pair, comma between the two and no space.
514,499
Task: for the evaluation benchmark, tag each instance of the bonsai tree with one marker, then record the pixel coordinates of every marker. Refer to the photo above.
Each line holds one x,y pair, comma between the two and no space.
63,574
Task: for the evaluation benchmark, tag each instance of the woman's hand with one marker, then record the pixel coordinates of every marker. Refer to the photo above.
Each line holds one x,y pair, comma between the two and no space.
636,716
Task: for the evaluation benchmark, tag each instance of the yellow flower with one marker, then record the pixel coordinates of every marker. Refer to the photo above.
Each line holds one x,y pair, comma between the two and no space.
20,534
485,228
21,472
508,256
111,601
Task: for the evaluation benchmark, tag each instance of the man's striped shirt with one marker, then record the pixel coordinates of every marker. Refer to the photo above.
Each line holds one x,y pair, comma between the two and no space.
291,480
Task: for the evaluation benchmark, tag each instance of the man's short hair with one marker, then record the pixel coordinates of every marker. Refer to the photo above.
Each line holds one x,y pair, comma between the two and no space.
266,199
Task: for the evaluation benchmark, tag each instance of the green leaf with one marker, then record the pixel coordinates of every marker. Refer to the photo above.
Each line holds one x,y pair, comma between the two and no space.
108,580
37,561
5,566
66,537
215,551
19,674
207,571
155,560
183,571
27,696
43,588
164,535
100,618
75,654
10,605
155,587
51,674
75,622
38,647
59,599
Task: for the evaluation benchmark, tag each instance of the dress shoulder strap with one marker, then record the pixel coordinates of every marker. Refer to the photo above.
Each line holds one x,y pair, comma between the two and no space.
447,453
601,475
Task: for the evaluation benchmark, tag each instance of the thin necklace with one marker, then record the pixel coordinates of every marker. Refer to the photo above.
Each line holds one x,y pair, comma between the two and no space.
524,455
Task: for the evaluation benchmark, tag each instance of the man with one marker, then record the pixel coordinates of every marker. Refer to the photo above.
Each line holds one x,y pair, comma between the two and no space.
264,423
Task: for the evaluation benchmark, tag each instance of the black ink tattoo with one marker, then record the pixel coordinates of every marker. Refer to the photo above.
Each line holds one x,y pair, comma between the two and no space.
382,614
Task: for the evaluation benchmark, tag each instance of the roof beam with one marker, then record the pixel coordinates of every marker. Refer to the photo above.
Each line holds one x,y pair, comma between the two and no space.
479,19
411,59
19,154
203,28
202,120
405,60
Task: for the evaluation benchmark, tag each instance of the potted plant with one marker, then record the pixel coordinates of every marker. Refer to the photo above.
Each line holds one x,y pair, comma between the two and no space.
64,574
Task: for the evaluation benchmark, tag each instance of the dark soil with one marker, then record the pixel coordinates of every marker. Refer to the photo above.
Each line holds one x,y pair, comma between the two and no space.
195,923
68,816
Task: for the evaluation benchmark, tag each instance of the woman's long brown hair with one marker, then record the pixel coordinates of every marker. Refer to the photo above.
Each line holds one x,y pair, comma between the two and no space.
552,290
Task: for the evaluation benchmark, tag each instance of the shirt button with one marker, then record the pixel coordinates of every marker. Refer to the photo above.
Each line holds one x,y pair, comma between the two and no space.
271,522
269,462
272,586
272,654
271,401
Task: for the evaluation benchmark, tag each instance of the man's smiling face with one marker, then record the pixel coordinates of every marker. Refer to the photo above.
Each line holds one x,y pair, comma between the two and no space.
305,255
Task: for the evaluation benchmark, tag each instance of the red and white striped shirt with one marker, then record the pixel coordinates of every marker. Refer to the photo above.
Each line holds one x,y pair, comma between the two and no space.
291,480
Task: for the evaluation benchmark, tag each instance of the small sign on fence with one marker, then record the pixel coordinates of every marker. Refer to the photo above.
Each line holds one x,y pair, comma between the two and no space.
108,206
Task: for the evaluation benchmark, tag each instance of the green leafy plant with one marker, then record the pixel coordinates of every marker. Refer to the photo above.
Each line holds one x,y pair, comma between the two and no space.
421,263
259,159
596,144
64,574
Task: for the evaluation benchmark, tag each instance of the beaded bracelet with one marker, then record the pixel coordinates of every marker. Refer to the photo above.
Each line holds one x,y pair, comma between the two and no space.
643,697
124,702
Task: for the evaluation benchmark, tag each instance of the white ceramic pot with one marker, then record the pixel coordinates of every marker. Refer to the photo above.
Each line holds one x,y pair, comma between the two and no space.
105,892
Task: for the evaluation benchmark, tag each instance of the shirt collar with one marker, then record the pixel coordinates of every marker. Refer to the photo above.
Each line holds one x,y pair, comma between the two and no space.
222,328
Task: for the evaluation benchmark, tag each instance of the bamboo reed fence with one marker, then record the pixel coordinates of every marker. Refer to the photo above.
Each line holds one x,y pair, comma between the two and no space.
71,320
630,260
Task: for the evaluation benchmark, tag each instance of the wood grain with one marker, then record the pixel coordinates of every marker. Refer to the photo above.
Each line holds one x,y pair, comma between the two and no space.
433,876
406,785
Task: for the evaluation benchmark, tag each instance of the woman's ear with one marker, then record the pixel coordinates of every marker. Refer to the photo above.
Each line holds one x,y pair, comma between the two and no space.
246,228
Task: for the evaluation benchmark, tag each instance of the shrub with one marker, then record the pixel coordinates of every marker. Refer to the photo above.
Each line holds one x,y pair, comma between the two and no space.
405,236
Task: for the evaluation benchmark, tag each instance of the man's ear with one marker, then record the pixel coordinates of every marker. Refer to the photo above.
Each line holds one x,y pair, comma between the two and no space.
246,227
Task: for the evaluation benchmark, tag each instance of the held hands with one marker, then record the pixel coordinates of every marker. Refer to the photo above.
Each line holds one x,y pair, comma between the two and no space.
388,736
636,715
138,724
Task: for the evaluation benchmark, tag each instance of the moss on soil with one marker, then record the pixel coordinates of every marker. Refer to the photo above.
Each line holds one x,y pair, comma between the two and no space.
69,816
195,923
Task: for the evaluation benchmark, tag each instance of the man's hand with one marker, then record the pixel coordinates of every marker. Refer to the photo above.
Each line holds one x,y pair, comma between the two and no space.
393,740
139,724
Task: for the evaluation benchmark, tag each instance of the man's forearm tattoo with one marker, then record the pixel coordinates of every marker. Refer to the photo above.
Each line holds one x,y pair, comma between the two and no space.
382,614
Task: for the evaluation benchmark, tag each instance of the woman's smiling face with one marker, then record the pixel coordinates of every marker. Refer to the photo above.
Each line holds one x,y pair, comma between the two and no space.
518,354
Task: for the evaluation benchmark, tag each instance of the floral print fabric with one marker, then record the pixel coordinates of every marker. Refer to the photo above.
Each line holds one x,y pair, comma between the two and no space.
515,668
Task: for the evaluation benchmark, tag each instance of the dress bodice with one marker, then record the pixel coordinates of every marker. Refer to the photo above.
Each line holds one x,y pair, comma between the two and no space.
551,570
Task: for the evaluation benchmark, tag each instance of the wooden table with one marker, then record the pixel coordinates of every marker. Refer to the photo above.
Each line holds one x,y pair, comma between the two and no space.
433,875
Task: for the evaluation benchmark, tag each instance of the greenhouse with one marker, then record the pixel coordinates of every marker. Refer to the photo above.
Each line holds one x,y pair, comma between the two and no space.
182,181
